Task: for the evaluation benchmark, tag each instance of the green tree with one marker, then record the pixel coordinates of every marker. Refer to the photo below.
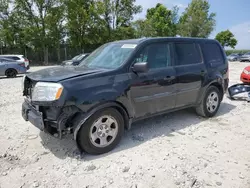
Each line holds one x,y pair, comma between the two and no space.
56,28
84,23
35,16
6,37
143,28
118,16
227,39
196,21
162,20
159,22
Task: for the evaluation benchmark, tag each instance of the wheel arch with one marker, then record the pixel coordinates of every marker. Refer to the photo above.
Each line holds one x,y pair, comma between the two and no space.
82,117
10,69
216,84
219,87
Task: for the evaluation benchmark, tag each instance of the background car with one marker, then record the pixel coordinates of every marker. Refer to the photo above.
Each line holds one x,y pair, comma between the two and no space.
18,58
245,57
245,75
76,60
11,68
234,57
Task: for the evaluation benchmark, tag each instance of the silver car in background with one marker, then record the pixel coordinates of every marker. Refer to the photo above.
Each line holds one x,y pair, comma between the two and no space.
234,57
245,57
18,58
11,68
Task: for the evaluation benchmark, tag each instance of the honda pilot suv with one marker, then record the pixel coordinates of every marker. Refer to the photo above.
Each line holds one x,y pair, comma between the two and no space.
122,82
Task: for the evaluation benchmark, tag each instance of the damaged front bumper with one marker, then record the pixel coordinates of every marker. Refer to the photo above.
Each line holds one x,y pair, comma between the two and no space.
238,89
31,114
53,120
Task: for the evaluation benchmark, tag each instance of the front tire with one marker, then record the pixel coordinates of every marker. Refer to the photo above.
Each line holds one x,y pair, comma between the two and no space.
102,132
210,103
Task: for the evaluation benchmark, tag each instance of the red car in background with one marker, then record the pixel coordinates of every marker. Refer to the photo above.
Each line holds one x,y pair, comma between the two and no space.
245,75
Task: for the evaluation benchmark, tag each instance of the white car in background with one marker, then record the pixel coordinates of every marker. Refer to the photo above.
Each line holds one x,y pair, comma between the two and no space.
18,58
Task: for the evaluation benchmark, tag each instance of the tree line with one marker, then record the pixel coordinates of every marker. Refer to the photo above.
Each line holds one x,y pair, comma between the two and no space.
52,30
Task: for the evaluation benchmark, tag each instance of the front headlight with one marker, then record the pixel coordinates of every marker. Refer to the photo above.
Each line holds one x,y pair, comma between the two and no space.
245,71
46,91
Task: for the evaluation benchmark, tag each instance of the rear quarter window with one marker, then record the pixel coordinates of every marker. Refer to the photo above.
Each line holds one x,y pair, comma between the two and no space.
15,58
213,53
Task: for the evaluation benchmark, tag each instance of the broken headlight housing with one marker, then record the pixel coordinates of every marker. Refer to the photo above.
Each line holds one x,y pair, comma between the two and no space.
47,91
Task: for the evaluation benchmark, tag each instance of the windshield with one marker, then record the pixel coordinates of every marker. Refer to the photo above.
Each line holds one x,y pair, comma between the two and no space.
108,56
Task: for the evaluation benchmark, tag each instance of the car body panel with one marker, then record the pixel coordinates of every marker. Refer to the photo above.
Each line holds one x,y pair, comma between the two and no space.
18,58
245,77
245,57
6,64
234,57
60,73
189,79
151,91
140,94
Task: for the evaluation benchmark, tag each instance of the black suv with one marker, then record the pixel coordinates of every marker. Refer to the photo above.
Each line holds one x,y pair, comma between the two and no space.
124,81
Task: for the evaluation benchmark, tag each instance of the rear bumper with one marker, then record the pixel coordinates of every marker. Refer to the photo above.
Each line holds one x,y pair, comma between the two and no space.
32,115
21,70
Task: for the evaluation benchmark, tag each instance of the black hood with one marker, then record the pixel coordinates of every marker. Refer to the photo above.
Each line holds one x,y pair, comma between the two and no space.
60,73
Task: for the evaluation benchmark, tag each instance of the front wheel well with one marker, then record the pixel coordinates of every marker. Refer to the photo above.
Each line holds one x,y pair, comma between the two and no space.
83,116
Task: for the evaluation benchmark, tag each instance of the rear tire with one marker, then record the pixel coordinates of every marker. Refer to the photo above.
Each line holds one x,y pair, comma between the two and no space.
101,133
210,103
11,73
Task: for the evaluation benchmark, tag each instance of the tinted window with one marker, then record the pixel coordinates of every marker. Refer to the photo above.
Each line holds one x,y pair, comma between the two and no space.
5,60
187,53
156,55
12,57
212,53
15,58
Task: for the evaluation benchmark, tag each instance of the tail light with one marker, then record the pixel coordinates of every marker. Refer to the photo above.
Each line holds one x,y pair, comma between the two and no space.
26,60
22,65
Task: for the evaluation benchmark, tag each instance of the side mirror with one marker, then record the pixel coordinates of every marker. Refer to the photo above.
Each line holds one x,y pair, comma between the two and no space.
140,67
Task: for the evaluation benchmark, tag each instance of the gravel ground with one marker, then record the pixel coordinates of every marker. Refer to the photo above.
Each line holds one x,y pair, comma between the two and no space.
175,150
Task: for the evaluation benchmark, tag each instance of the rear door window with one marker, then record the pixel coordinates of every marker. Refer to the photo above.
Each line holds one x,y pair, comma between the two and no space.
212,53
187,53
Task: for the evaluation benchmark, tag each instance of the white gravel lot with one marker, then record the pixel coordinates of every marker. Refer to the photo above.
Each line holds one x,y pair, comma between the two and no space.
175,150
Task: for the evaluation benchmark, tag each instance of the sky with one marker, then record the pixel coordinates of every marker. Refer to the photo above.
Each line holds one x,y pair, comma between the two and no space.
230,14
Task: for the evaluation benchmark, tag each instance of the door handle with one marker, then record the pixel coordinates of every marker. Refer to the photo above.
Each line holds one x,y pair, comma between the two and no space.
202,72
169,78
